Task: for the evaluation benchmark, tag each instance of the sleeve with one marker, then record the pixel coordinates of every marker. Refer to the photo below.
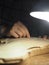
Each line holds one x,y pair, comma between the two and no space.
9,13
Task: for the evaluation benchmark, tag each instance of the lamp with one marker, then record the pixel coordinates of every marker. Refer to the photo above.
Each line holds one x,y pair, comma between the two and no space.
40,15
41,10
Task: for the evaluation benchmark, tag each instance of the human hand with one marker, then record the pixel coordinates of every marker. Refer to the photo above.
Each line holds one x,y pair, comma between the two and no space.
19,30
44,37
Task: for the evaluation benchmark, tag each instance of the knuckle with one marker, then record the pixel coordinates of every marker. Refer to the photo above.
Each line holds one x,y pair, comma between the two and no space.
21,34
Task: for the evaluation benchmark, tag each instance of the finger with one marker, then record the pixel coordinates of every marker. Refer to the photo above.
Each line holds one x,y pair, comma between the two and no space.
22,30
14,34
45,37
17,31
25,29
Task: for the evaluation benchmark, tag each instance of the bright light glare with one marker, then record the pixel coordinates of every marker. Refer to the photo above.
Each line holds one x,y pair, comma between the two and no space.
13,52
40,15
17,52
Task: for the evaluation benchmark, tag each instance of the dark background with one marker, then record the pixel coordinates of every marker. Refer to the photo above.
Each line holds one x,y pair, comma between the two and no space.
13,10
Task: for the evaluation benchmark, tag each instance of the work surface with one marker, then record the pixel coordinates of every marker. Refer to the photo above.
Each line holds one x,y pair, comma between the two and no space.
39,54
36,60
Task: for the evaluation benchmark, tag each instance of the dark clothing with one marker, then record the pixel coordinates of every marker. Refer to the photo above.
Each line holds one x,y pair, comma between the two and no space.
13,10
10,11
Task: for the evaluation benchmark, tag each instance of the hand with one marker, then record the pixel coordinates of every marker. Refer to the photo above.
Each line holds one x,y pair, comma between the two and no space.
19,30
44,37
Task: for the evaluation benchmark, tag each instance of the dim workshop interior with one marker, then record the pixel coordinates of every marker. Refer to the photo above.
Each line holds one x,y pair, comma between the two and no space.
24,32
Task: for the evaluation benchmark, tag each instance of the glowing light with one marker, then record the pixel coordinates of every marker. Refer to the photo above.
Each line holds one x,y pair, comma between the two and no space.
40,15
17,52
13,52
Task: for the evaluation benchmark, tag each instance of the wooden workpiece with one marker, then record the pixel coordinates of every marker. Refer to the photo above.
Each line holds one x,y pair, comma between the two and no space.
37,51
